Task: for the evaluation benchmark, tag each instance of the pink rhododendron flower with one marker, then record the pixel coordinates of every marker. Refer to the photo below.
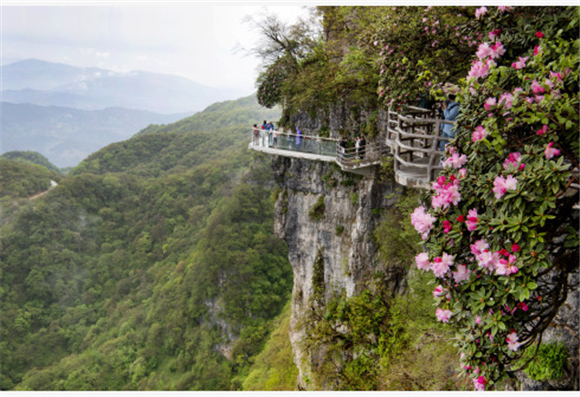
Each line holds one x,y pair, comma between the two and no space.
512,341
462,274
543,130
489,102
504,8
497,50
456,161
422,221
480,12
447,226
479,247
494,33
441,265
505,268
460,219
447,192
513,161
520,64
506,99
478,319
443,315
539,35
523,306
537,50
483,51
478,134
515,248
550,152
438,291
478,69
502,185
557,76
422,261
537,88
488,260
472,220
479,383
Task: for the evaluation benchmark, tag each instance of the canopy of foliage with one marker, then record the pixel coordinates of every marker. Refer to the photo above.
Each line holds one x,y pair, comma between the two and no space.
29,157
152,266
22,179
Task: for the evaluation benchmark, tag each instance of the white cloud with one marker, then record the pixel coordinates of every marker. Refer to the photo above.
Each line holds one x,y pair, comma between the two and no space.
194,40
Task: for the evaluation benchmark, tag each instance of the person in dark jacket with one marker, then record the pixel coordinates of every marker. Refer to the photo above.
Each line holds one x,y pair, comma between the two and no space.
362,147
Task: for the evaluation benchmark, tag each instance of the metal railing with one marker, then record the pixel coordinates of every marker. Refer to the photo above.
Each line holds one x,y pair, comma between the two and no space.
351,158
415,141
294,142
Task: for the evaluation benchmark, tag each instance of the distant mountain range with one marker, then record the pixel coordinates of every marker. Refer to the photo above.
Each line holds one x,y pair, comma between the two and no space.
66,135
66,112
53,84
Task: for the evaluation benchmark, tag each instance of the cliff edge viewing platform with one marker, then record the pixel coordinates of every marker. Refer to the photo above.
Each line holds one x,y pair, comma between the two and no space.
312,147
413,140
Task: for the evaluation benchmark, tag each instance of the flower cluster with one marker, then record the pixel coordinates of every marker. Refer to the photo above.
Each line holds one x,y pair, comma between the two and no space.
501,188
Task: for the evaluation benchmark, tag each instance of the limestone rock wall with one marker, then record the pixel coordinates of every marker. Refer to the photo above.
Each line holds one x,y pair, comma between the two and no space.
339,240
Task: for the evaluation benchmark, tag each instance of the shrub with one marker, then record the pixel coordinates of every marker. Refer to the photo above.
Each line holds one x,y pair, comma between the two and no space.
317,211
550,362
499,234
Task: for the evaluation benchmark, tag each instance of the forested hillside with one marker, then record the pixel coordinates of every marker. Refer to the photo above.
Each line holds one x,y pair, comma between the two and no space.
153,265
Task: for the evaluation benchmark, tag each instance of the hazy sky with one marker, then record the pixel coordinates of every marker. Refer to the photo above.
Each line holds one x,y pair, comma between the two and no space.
197,40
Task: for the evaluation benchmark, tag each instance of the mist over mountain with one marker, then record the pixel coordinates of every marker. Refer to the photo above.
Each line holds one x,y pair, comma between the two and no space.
45,83
66,135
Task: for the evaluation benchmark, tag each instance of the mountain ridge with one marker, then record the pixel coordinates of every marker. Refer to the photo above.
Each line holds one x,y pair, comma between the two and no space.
67,135
40,82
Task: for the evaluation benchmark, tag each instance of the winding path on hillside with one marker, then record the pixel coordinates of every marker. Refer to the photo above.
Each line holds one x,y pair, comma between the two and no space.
53,184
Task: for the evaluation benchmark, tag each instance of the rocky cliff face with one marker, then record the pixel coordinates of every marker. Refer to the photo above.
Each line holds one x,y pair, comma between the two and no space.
327,218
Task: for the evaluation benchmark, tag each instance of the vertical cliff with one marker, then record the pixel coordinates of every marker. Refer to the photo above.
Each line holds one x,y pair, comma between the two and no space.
327,218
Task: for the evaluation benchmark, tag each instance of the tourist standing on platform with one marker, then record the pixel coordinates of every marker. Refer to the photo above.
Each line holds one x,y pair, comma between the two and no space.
270,128
362,146
256,132
342,144
298,138
450,113
357,147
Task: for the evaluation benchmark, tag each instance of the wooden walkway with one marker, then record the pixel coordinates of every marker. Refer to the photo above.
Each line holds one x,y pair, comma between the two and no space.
413,139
